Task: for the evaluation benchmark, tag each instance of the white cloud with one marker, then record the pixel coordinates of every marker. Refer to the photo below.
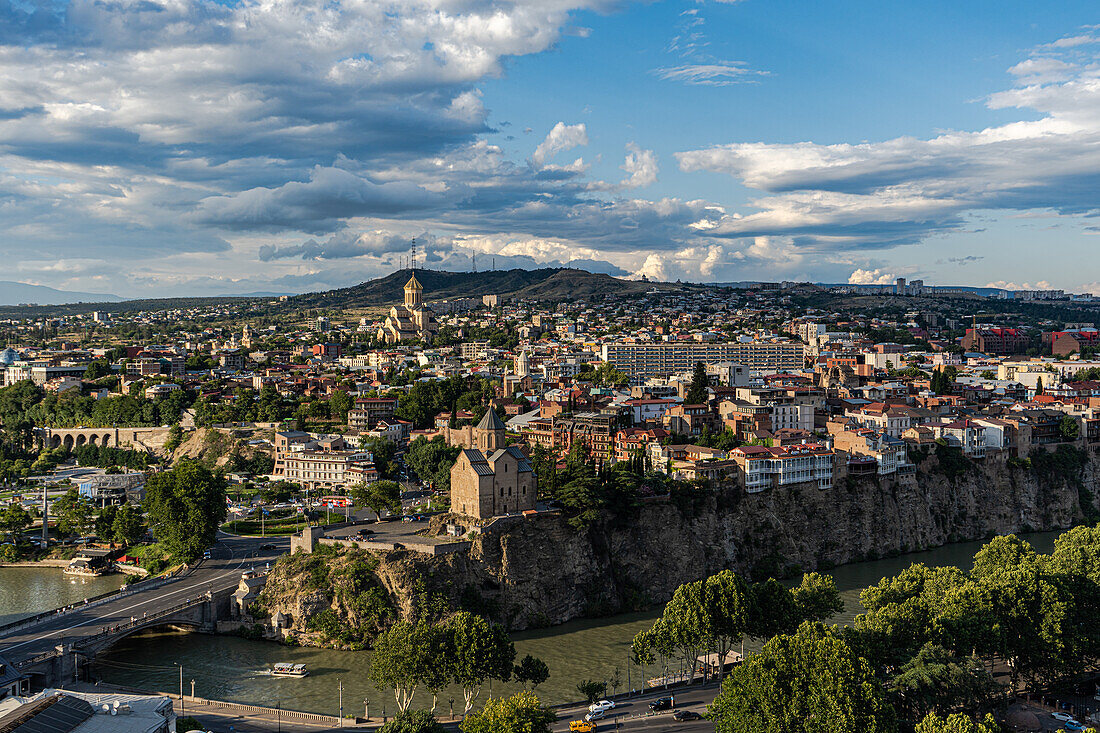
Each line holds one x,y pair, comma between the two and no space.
713,74
640,166
562,137
871,277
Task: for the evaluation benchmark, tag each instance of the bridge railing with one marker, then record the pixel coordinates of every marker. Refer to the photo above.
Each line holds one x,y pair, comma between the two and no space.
111,629
40,658
123,592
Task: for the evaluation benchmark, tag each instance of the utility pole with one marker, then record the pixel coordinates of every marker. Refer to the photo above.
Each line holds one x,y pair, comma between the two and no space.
45,519
183,703
341,683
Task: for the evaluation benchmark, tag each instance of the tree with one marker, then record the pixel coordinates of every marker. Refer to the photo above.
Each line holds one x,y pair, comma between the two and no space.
591,690
1069,428
957,723
403,658
520,713
811,681
697,391
432,460
1038,386
378,496
817,598
128,527
14,519
413,721
382,452
185,506
935,680
531,671
477,651
74,514
340,404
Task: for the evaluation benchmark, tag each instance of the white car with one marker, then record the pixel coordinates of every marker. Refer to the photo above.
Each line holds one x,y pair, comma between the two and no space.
1064,717
603,705
597,714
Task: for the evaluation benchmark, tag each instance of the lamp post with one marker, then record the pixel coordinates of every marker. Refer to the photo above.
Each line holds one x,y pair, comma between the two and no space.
183,703
341,683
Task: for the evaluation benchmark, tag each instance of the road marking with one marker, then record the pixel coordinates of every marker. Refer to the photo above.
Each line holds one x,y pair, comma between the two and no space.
99,619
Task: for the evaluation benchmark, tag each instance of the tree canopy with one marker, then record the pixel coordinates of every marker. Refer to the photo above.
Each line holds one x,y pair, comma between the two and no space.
185,506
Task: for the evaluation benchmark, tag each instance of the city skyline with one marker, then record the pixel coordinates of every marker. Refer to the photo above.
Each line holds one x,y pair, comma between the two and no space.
191,148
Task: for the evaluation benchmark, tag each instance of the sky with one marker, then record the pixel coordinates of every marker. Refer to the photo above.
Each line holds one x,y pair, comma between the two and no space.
153,148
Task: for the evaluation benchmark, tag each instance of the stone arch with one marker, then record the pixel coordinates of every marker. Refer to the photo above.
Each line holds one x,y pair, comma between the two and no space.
81,439
106,439
55,441
68,441
93,439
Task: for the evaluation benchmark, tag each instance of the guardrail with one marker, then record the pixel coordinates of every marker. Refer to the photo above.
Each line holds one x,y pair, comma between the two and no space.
40,658
123,592
257,710
143,621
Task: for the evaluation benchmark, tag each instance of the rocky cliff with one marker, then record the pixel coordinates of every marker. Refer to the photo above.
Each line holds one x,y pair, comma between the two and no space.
540,571
543,571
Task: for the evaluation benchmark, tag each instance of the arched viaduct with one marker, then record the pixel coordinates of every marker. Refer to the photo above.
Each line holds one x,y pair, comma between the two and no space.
113,437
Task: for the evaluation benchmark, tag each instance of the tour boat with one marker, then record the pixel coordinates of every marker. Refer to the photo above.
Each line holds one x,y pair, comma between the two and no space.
286,669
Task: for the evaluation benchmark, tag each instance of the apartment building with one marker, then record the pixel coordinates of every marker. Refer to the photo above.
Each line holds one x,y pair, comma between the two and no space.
651,359
762,467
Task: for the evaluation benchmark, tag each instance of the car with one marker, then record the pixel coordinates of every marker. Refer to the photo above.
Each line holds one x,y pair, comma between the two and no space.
601,705
267,546
582,726
1064,717
661,703
686,715
1073,725
597,714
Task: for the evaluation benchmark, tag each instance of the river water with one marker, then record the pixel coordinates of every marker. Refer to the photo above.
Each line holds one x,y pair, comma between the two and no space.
27,591
229,668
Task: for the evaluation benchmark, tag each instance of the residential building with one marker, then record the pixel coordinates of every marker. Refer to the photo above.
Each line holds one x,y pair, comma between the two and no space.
640,360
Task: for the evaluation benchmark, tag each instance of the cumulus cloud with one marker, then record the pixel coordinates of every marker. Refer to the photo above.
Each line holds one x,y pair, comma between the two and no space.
871,277
903,190
562,137
640,167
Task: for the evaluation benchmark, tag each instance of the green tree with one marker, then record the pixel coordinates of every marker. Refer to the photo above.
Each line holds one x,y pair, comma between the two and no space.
185,506
432,460
817,598
531,671
812,681
74,514
697,390
957,723
382,452
403,659
378,496
477,651
413,721
128,527
340,404
14,519
520,713
591,690
937,680
1069,428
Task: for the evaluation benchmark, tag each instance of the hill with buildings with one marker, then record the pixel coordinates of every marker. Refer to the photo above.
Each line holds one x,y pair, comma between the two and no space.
543,284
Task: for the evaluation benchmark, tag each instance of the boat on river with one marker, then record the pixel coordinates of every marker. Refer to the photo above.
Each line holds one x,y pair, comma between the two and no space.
286,669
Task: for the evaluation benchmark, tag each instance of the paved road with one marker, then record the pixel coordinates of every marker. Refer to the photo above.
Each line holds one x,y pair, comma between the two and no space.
232,556
634,714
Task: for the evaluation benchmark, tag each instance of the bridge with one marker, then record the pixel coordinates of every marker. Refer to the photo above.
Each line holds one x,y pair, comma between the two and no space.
59,647
113,437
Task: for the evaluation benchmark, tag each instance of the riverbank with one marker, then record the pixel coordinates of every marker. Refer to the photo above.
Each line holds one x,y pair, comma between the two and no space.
236,669
36,564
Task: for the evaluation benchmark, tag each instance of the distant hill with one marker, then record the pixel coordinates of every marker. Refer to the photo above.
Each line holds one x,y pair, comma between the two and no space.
14,293
545,284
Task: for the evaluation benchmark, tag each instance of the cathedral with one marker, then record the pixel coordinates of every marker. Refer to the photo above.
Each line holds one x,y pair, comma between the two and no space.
413,320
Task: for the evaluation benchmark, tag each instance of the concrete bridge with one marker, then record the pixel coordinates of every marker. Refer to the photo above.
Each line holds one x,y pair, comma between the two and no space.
70,438
59,647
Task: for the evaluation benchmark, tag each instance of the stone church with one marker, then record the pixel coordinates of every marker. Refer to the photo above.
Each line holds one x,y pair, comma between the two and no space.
409,321
491,479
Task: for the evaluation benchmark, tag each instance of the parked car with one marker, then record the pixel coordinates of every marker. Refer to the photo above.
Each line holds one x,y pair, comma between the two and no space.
1064,717
1073,725
267,546
601,705
661,703
686,715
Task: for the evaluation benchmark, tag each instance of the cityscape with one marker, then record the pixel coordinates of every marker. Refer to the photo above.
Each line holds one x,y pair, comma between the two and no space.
504,367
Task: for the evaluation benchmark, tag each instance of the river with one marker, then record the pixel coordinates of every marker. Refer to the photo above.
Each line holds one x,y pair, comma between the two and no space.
26,591
230,668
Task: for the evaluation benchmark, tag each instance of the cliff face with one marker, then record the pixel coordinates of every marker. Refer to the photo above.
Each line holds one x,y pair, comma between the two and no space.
542,571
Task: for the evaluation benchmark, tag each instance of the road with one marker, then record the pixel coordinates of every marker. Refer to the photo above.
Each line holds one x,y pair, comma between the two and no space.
634,714
231,557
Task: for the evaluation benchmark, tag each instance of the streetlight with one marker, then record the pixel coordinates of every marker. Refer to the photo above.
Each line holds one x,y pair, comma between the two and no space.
183,703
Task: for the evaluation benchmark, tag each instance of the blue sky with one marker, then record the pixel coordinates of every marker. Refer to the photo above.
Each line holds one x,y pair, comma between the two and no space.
186,147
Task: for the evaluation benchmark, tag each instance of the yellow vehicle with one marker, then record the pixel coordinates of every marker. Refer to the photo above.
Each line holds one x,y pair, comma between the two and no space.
582,726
